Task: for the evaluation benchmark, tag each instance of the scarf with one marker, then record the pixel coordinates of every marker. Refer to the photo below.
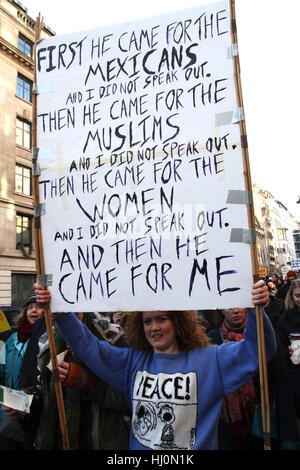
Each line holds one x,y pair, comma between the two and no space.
238,407
24,331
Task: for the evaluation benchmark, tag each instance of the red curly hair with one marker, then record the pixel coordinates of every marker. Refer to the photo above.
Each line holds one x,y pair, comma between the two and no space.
189,329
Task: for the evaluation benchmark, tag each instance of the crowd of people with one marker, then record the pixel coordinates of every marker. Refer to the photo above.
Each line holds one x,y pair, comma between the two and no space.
161,380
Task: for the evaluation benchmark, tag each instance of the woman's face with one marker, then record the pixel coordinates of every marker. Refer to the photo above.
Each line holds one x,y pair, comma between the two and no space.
296,296
160,333
34,312
235,317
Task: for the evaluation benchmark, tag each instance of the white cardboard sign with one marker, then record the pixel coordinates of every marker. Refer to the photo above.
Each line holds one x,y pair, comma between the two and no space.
295,263
139,149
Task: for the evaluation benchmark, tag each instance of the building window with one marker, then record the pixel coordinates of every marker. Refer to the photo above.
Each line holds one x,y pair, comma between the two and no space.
25,46
23,231
24,87
23,180
282,234
21,288
23,133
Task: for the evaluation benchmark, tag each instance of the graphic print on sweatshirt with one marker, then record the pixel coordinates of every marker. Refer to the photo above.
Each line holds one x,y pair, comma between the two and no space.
165,410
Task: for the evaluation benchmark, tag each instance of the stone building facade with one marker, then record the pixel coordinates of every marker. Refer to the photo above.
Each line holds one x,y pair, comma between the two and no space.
17,255
274,226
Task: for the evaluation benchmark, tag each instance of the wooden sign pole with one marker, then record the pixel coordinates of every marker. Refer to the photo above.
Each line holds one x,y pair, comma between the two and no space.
40,268
259,311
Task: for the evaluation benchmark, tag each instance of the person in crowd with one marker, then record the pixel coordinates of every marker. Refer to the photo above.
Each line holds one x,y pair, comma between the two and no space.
289,323
210,318
238,408
172,377
273,309
290,276
278,281
97,417
11,434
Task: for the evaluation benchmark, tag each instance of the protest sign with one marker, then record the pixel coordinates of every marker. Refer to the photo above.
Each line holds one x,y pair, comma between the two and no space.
143,204
4,325
295,263
15,399
284,270
262,272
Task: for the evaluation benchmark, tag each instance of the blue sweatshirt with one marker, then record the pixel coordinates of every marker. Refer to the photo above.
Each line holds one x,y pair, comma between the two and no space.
175,398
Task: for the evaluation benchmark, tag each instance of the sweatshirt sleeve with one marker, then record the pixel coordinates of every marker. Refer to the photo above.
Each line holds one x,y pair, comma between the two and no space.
238,361
104,360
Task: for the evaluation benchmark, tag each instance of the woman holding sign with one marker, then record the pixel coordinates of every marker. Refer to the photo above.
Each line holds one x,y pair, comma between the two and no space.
172,378
11,433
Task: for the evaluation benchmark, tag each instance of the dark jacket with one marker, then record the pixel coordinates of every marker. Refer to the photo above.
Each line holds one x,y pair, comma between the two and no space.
103,412
273,310
29,371
290,323
280,390
284,288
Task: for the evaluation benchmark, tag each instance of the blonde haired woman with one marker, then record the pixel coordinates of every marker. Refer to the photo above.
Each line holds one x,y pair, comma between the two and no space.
289,324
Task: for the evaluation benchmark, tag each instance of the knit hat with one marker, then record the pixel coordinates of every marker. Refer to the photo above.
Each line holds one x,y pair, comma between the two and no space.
292,273
30,300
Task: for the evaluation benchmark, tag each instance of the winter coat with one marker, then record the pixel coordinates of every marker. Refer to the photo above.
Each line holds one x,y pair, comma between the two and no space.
111,415
14,351
280,390
288,323
29,371
283,290
96,419
273,310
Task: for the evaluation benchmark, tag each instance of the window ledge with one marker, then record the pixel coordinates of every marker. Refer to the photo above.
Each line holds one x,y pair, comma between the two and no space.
23,148
23,195
23,99
14,253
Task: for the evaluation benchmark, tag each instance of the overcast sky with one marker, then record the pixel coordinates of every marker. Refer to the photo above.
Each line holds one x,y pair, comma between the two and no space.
268,40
